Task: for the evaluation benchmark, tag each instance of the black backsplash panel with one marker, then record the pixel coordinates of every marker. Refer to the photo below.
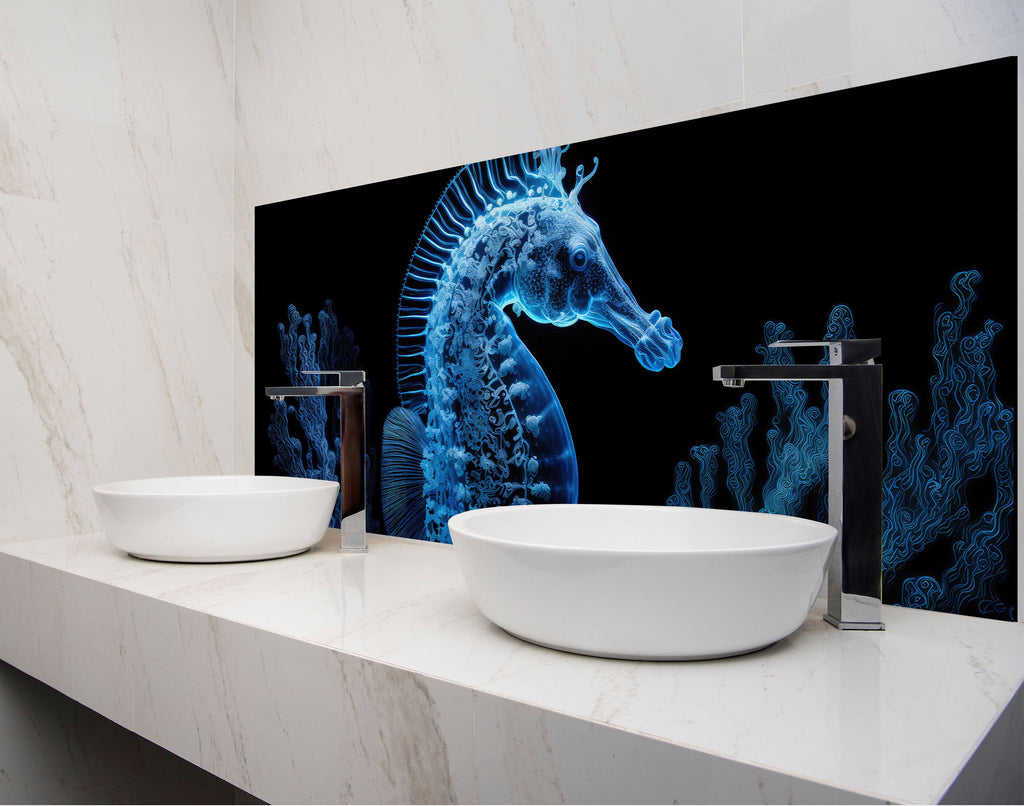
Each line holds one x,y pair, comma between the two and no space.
897,200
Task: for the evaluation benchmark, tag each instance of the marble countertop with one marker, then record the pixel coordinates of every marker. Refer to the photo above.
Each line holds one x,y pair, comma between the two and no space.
329,677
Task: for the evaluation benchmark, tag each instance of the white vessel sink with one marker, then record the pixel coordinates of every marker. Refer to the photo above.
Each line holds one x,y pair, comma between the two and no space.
652,583
207,519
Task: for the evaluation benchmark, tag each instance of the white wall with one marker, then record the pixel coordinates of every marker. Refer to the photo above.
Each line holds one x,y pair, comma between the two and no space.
116,194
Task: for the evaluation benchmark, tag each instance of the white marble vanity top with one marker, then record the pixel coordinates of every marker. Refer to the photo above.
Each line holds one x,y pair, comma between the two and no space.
373,678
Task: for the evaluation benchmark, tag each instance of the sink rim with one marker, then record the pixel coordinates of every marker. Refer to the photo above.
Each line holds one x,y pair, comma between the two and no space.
262,485
826,532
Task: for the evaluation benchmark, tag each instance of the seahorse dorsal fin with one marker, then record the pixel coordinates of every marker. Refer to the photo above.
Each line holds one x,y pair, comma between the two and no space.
475,189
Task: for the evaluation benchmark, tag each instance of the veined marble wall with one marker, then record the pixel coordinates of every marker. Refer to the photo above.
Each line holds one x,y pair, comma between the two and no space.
116,206
116,316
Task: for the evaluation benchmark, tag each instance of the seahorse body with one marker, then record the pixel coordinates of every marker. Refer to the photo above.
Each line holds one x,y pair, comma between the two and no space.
504,233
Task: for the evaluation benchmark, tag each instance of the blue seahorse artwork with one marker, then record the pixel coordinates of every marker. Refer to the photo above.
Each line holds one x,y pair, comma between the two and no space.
480,424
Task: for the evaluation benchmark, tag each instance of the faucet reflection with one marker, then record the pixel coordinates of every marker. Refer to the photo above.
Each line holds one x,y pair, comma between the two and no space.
854,468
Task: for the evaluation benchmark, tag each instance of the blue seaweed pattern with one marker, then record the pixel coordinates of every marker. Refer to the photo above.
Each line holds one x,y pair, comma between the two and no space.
706,457
482,425
797,440
313,452
737,423
933,478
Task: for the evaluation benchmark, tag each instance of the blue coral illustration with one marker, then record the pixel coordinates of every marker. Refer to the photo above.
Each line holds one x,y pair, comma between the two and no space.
968,444
304,431
480,424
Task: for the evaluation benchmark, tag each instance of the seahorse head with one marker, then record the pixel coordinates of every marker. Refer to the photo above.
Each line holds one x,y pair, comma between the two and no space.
564,274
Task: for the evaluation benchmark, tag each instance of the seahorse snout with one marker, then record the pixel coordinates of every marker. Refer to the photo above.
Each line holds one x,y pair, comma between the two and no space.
660,346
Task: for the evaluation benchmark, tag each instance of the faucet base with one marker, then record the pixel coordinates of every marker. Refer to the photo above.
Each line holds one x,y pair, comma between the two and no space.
853,625
352,533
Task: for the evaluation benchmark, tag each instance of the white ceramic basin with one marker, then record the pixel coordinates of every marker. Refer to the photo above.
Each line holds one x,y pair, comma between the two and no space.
653,583
208,519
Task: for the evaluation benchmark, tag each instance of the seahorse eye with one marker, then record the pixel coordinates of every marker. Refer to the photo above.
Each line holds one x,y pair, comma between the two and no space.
579,258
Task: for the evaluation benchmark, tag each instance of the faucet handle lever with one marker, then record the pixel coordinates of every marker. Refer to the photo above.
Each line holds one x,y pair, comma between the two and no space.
334,372
345,377
841,351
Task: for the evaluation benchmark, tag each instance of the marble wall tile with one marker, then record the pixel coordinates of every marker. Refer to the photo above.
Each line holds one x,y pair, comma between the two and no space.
506,77
332,95
796,42
122,106
911,65
116,206
243,339
116,354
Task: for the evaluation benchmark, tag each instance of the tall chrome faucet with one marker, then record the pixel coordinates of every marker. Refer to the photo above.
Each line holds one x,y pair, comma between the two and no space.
351,389
854,468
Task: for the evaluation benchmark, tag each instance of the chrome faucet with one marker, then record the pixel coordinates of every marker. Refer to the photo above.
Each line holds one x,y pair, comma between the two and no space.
854,468
351,388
